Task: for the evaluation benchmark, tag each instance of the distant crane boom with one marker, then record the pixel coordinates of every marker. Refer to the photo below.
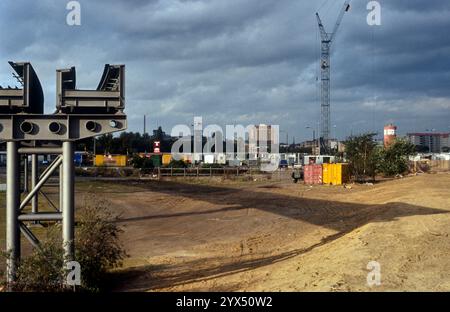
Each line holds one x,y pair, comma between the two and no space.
344,9
323,33
326,41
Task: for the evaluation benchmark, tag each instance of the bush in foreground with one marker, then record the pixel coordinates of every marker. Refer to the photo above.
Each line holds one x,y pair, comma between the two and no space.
394,159
97,249
97,244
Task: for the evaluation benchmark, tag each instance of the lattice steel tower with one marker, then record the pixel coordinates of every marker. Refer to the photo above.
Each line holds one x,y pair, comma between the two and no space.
326,41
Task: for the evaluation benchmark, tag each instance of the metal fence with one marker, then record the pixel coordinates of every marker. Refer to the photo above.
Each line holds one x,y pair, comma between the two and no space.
202,172
211,172
430,165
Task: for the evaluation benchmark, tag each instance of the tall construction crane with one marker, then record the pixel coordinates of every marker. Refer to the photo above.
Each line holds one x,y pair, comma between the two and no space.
326,41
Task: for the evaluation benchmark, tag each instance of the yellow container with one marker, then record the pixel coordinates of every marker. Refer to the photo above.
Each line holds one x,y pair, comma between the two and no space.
335,174
327,173
111,160
166,159
340,174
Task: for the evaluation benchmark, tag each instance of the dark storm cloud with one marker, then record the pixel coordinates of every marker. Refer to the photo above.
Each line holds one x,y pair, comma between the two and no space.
245,61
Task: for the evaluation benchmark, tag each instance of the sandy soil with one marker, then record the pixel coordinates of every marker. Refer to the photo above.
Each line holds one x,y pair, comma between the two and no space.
270,236
283,236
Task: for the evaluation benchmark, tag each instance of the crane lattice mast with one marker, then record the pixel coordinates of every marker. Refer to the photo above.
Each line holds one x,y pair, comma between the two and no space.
326,41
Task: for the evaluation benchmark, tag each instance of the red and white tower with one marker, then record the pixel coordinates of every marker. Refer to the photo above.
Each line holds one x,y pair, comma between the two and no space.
390,134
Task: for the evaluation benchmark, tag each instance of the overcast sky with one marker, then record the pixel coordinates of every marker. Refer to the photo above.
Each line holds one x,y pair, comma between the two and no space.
245,61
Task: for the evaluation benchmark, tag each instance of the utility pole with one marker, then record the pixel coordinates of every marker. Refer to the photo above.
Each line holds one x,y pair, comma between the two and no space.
313,138
145,124
326,41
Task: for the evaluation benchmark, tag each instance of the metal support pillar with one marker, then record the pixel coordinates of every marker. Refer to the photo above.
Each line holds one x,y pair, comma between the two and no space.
22,122
61,203
41,182
34,181
25,174
12,209
68,210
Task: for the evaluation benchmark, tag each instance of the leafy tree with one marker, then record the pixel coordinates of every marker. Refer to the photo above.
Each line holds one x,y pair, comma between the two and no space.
106,142
394,159
125,143
361,152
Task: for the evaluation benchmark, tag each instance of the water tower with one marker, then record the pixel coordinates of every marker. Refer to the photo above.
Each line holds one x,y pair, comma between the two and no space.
390,134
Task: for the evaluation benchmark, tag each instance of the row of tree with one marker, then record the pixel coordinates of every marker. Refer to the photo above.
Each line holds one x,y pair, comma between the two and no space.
367,159
127,143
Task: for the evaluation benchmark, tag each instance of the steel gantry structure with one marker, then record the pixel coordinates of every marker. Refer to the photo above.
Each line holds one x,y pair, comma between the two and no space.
326,41
29,132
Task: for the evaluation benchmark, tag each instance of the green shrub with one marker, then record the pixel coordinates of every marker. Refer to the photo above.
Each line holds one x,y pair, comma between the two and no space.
177,164
143,163
43,270
97,249
97,245
214,166
393,160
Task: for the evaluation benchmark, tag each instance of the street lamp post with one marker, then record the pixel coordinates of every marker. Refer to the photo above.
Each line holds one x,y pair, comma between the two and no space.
314,135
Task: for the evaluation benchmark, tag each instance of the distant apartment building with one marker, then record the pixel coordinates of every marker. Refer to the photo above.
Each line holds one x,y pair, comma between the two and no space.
261,138
433,142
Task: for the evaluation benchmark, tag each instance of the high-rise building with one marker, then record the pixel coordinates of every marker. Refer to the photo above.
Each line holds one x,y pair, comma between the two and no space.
261,139
433,142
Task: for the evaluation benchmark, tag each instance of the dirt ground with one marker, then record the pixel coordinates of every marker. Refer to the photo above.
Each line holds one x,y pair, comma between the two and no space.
279,236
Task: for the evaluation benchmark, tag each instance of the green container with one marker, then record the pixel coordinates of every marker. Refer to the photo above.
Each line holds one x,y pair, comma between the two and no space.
156,160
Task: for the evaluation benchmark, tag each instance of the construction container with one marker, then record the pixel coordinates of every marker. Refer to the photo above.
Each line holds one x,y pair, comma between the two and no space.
166,159
111,160
335,174
208,159
327,172
156,160
221,158
313,174
318,159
